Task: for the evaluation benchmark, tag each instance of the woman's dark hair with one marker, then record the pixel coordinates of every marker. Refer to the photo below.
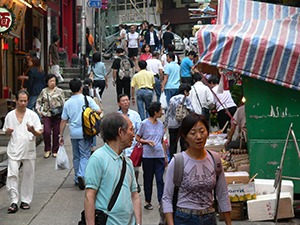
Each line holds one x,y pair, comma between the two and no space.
95,59
184,87
86,83
153,107
36,64
109,128
50,76
122,25
213,79
171,48
144,46
189,121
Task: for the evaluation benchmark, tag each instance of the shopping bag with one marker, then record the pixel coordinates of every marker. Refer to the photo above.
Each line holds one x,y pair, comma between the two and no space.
136,155
62,160
167,147
163,100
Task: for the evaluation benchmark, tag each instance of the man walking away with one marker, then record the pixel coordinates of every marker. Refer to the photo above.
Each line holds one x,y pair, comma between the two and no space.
22,125
201,96
132,43
186,66
122,70
168,38
103,173
54,58
124,103
154,65
145,82
81,146
171,81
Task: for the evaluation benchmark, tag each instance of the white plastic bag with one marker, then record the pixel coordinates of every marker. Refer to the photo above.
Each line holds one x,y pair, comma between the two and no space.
163,101
62,160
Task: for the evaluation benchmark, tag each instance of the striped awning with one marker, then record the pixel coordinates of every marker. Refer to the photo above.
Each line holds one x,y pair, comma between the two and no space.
256,39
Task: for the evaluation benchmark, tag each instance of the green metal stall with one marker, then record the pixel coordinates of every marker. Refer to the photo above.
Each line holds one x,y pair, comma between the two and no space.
270,109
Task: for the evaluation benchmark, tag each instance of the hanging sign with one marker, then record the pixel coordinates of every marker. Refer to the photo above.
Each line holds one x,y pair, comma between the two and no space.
6,20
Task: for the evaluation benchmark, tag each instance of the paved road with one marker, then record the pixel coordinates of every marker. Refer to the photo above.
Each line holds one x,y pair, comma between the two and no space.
58,201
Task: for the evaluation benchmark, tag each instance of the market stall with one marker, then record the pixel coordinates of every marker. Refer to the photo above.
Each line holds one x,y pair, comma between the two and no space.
262,42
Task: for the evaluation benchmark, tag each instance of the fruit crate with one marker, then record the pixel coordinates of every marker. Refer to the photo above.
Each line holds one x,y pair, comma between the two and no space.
238,211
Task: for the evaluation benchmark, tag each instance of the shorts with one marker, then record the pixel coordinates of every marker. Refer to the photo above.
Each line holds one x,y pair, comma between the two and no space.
133,52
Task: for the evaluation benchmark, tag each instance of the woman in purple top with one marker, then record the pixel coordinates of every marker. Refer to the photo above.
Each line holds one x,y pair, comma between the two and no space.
150,134
195,199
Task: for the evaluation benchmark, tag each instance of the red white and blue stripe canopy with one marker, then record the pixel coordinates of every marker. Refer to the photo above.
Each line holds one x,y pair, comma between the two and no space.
256,39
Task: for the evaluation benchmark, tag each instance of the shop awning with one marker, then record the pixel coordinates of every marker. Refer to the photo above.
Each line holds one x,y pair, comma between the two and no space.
256,39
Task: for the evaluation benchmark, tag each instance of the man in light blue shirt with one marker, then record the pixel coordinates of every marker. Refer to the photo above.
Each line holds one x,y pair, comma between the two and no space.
186,66
73,112
103,172
124,103
171,80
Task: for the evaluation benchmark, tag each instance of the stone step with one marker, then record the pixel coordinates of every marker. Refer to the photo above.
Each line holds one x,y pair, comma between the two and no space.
3,139
71,75
71,70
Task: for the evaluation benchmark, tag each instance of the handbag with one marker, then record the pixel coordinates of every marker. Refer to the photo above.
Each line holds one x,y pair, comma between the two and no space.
55,112
136,155
100,216
98,102
181,111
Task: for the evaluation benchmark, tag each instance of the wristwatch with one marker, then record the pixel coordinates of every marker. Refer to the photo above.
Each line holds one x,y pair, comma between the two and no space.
60,136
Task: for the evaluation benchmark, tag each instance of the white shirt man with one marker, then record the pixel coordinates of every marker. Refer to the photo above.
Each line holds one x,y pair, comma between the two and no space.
132,43
37,47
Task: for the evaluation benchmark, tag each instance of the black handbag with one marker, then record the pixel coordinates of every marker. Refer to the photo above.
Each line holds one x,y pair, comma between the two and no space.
100,216
55,112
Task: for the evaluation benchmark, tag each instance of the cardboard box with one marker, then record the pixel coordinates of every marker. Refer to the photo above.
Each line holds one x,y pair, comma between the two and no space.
264,207
241,192
237,212
237,177
244,167
266,186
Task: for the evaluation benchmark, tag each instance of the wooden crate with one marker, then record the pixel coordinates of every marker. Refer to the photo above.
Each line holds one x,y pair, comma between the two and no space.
237,212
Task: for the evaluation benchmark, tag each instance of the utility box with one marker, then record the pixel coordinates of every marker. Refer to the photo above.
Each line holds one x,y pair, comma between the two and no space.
270,109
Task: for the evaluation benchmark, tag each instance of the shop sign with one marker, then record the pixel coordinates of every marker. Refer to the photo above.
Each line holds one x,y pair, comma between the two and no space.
6,20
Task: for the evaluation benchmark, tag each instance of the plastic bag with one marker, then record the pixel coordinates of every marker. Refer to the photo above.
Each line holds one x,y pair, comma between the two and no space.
62,159
163,100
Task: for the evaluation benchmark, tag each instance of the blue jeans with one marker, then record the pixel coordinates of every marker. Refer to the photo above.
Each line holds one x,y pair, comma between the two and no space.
81,154
31,103
170,93
143,95
157,88
182,218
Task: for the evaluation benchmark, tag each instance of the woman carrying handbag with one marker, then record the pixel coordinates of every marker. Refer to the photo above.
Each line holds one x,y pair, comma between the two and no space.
49,105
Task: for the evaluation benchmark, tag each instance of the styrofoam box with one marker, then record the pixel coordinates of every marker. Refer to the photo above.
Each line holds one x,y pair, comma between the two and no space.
265,186
263,208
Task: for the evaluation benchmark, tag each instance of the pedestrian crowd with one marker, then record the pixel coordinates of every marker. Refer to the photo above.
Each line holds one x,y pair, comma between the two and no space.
108,176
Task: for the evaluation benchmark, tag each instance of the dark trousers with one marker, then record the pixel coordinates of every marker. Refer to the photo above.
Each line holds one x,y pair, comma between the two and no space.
49,124
123,87
223,117
188,80
101,85
152,47
153,166
173,133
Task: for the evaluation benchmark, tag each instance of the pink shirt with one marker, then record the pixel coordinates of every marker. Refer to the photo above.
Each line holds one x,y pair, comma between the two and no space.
145,56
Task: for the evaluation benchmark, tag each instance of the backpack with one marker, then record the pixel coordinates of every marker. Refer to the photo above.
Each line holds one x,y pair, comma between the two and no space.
125,68
90,121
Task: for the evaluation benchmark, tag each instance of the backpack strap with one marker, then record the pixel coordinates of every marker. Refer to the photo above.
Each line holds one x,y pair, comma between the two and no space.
177,179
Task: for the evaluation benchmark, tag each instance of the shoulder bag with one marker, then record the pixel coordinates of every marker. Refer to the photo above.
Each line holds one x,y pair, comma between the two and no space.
55,112
100,216
181,111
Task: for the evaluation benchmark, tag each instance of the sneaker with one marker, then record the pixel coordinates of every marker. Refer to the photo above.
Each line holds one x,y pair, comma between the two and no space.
81,183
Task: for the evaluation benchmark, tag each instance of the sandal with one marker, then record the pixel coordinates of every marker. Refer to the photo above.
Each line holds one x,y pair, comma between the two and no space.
148,206
24,206
13,208
54,155
47,154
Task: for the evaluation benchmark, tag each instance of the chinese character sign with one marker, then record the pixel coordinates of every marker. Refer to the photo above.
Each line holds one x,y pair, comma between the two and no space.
5,20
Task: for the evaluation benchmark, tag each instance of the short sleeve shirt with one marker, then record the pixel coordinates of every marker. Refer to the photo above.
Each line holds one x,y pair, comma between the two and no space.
185,67
173,70
143,79
168,37
102,173
154,65
132,39
153,132
53,50
21,144
73,111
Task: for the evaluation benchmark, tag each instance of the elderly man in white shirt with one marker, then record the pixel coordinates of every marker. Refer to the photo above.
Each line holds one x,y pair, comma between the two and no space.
154,65
201,96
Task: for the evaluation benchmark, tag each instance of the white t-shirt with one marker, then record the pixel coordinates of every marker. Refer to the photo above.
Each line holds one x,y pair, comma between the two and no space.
123,31
164,59
37,44
22,142
224,97
154,65
152,42
132,39
186,43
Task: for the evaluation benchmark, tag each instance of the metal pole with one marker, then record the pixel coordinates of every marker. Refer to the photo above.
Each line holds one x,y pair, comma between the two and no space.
99,33
83,40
